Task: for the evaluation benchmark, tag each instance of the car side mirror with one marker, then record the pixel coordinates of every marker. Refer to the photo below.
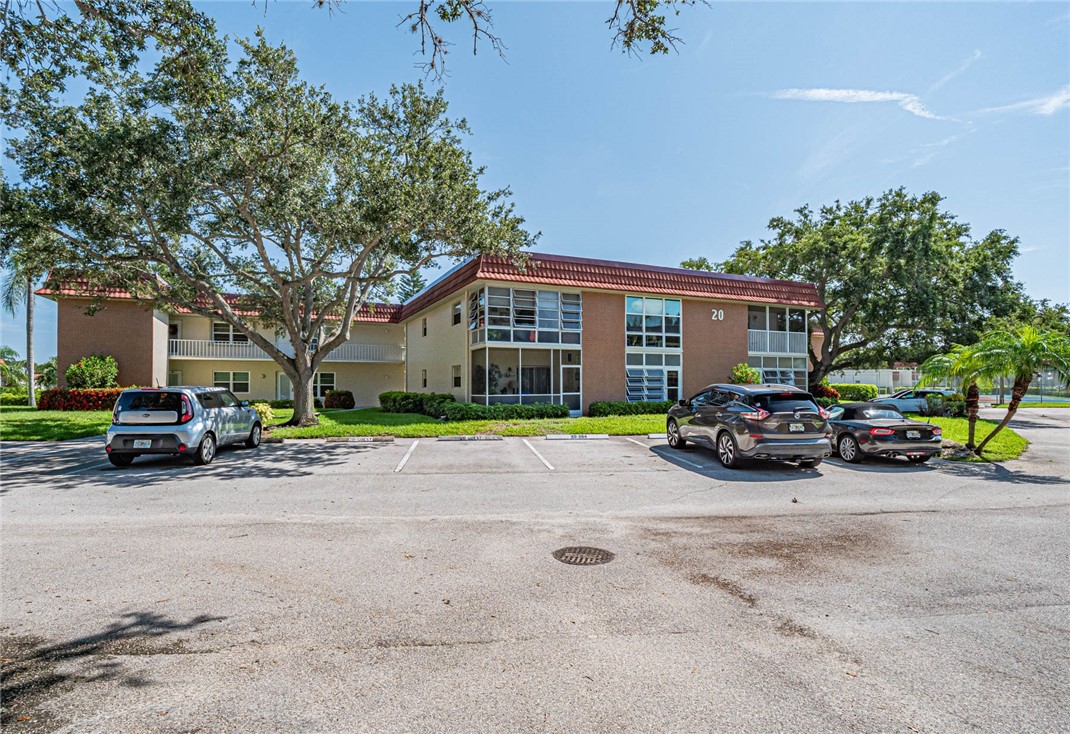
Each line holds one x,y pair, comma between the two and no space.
245,403
684,403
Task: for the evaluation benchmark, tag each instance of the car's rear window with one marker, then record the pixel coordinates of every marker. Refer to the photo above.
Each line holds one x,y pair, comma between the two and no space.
150,401
785,402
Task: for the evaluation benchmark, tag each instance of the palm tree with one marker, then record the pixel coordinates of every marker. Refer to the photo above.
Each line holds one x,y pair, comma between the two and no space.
17,290
960,362
1021,352
12,373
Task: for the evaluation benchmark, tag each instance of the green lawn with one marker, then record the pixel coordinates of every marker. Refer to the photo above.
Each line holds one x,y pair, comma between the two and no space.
23,423
374,422
1004,447
1045,404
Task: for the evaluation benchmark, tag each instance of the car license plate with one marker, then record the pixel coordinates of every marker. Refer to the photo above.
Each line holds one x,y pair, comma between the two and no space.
142,443
913,434
796,427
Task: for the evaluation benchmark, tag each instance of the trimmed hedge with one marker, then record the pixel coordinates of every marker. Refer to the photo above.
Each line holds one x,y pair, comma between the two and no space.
428,403
283,404
455,411
62,399
602,408
339,399
15,397
855,392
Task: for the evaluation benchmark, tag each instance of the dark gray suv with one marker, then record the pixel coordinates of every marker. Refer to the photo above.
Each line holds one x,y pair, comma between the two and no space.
742,422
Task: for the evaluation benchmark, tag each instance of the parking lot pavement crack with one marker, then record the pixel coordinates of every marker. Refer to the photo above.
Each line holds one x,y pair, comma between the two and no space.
699,491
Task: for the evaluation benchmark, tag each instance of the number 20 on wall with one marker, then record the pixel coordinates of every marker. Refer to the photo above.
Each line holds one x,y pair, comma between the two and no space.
718,314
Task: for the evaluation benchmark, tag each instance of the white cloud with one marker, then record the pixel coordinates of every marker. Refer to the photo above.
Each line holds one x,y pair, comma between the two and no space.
909,102
966,63
1046,106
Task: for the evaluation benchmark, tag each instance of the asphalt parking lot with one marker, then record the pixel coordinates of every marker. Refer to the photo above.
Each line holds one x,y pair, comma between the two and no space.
410,586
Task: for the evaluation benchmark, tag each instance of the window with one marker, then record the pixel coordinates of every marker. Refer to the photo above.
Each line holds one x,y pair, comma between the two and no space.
423,377
423,326
228,400
174,330
224,332
524,316
457,313
796,321
174,378
322,383
652,323
781,370
233,381
757,318
456,371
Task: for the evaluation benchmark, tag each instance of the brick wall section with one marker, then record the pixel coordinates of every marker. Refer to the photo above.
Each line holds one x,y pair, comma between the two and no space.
603,347
123,329
712,348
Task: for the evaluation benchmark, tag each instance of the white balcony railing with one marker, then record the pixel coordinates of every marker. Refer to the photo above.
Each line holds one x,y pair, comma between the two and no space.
775,342
206,349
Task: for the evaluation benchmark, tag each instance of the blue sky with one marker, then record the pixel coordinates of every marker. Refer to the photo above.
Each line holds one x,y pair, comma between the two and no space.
767,106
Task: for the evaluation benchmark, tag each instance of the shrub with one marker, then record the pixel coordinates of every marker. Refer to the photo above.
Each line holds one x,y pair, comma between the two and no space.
938,405
62,399
428,403
825,390
16,397
339,399
93,372
744,374
601,408
855,392
267,415
283,404
825,402
455,411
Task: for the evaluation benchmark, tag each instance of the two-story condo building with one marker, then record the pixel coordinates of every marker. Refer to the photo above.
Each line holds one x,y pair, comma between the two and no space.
562,330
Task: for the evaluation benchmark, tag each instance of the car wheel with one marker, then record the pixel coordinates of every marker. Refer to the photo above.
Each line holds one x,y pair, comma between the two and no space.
672,430
727,451
810,463
918,459
121,459
254,436
206,451
848,449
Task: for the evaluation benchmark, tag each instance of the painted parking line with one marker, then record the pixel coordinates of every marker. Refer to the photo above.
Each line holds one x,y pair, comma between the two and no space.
536,452
673,457
637,443
405,458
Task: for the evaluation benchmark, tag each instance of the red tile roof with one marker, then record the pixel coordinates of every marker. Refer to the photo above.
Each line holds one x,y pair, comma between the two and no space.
579,272
551,270
382,313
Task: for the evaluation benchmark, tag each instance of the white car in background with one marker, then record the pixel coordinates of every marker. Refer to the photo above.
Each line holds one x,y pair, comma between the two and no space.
913,401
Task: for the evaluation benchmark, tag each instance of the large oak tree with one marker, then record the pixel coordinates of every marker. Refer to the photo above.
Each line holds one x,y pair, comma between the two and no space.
167,166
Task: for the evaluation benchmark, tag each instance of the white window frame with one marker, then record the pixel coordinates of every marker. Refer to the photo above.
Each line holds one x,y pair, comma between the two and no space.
455,372
230,383
318,387
457,313
664,334
423,378
233,335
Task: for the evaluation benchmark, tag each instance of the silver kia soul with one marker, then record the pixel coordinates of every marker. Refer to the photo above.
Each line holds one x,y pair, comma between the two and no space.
186,421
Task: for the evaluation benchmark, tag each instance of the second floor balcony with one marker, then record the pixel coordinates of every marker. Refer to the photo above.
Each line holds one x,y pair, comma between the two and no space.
776,342
235,350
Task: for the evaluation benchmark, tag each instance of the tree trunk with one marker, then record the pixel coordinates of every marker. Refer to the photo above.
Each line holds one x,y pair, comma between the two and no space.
31,400
1018,390
973,401
304,400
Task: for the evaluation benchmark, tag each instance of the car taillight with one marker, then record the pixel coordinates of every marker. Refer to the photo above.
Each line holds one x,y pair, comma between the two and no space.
760,415
881,432
187,410
938,431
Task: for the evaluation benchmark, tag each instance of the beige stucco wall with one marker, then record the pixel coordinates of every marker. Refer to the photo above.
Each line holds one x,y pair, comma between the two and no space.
159,348
366,380
445,345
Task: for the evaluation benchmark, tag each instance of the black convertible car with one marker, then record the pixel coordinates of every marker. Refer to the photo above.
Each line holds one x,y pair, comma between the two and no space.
871,429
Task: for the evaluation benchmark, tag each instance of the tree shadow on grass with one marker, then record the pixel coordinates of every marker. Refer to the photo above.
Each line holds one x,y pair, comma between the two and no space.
30,675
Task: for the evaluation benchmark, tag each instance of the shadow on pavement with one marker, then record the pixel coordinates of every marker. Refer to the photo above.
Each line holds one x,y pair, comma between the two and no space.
30,675
703,462
270,461
884,465
998,473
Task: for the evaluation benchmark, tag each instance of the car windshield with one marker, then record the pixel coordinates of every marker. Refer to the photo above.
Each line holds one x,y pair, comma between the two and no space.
785,402
878,413
150,401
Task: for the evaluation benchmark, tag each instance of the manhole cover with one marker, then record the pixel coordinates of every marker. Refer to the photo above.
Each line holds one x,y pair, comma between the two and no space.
582,555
